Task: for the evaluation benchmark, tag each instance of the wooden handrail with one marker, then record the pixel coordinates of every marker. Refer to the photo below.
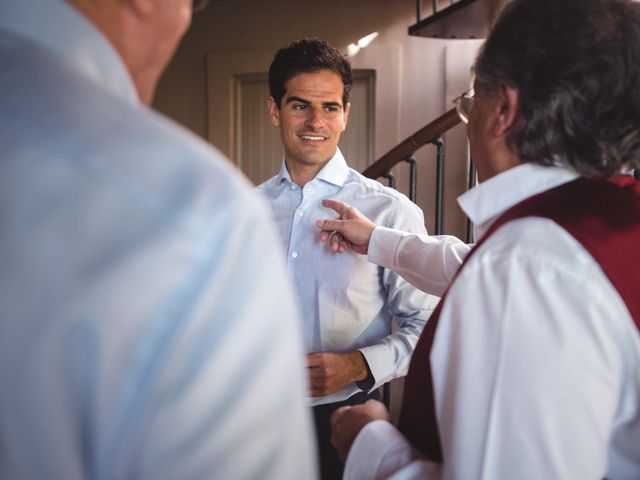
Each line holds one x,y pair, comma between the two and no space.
403,150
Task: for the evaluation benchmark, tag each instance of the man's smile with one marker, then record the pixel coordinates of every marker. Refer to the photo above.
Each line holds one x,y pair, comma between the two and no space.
311,137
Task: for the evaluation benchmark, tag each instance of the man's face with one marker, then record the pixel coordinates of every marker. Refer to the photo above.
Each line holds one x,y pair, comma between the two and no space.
493,115
477,131
311,117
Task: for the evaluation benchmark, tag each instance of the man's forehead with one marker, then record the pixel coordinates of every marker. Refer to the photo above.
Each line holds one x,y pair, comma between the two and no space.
323,85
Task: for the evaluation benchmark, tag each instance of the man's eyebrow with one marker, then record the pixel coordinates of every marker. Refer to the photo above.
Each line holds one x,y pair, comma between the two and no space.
332,104
298,99
308,102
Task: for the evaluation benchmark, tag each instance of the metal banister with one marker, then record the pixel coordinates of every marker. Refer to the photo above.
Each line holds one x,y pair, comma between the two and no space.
400,152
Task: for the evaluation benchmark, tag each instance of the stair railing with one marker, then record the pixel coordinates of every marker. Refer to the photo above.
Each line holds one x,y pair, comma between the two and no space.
403,152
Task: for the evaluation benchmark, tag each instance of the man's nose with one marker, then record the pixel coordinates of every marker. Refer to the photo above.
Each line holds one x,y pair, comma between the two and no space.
315,118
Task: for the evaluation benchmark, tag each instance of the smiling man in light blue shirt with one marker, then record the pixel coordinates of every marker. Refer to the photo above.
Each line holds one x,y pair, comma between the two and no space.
348,304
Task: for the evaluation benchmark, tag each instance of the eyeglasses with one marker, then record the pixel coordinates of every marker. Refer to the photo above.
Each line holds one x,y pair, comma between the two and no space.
464,104
199,5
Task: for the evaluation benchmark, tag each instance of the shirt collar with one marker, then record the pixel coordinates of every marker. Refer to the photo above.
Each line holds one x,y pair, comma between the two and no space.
335,171
64,31
485,202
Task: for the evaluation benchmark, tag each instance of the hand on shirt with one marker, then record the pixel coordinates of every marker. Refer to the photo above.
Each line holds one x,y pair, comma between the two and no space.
330,372
350,230
346,423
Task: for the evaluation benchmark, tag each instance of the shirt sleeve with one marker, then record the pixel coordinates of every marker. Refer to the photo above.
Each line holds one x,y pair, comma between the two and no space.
381,452
427,262
409,307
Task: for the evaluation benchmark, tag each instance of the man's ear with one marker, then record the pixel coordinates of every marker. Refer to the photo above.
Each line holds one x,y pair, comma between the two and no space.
142,8
274,112
345,115
506,109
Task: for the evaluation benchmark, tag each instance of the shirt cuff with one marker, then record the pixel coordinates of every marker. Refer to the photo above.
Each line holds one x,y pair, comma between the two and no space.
368,383
383,246
378,361
378,451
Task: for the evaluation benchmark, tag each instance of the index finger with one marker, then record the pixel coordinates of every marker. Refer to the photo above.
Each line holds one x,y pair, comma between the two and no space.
336,205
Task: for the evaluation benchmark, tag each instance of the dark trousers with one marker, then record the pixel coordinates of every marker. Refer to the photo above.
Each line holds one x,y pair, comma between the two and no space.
331,466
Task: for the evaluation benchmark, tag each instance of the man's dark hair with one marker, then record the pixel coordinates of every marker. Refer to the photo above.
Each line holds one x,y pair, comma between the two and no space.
576,67
305,56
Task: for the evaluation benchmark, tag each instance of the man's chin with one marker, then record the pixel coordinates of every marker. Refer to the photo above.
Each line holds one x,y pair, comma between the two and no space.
314,157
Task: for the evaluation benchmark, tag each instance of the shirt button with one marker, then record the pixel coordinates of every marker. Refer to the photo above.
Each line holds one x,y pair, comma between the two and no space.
293,187
300,213
294,254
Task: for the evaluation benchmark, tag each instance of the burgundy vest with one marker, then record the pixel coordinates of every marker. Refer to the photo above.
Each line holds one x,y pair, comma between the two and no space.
601,214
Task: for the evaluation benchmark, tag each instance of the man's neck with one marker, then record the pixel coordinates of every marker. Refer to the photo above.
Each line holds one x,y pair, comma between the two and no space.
302,174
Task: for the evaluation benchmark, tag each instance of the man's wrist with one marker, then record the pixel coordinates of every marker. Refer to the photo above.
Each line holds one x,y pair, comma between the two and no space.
364,379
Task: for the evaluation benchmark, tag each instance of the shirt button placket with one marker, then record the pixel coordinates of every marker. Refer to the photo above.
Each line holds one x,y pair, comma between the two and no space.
299,213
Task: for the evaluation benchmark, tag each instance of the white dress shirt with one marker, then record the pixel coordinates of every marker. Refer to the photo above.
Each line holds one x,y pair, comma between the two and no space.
536,360
138,304
348,303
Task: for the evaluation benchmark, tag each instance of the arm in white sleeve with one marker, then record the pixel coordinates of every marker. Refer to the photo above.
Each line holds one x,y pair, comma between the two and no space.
427,262
382,452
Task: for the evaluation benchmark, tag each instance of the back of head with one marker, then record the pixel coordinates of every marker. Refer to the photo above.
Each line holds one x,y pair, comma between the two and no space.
305,56
576,67
145,34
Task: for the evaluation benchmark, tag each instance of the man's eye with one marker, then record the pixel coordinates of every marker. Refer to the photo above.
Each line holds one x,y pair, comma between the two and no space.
299,107
332,109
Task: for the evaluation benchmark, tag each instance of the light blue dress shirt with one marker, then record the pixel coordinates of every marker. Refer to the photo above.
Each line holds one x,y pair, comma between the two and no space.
139,307
347,302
